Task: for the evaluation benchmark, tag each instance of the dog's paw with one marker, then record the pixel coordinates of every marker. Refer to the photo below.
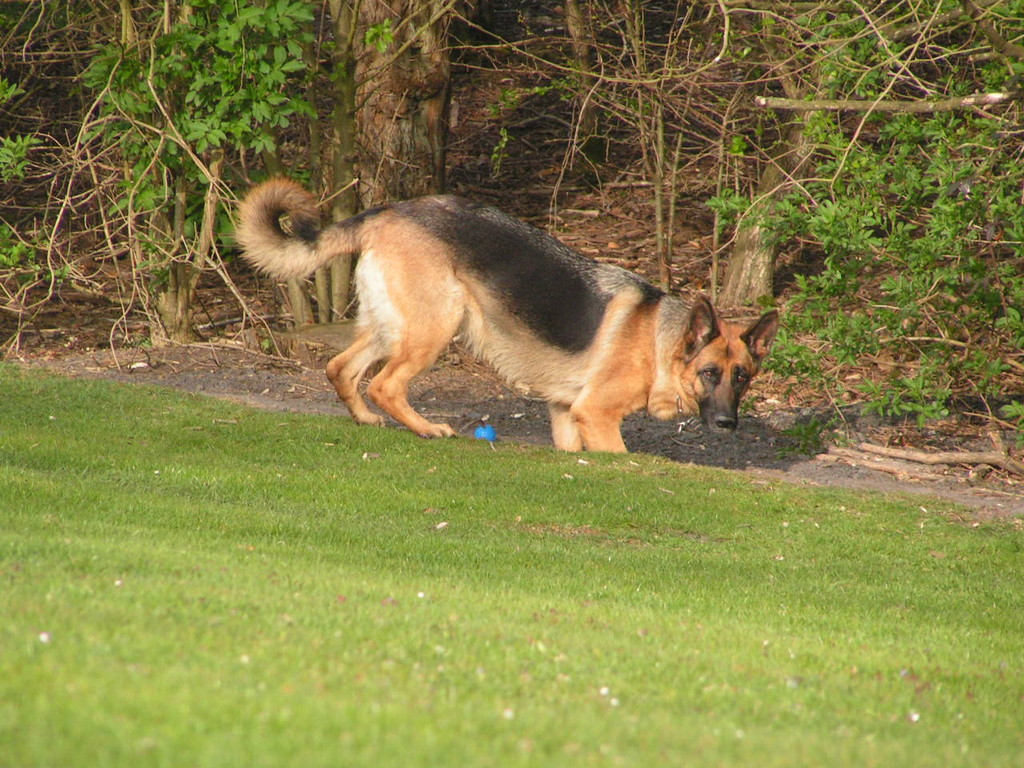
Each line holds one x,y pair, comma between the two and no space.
437,430
371,420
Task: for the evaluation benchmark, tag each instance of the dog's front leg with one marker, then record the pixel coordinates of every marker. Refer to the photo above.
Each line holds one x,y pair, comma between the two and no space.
599,429
563,428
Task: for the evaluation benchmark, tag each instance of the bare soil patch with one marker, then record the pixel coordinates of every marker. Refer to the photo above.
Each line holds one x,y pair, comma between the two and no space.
463,392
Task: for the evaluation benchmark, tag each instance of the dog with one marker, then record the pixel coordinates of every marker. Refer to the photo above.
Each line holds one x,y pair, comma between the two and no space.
595,341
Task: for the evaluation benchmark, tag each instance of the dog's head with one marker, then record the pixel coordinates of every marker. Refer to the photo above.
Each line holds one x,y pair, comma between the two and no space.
716,361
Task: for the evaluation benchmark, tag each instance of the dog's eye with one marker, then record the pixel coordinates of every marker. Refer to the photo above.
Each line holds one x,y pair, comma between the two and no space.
741,376
710,373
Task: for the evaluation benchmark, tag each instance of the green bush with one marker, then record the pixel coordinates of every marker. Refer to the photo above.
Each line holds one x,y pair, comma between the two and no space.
224,77
915,221
15,252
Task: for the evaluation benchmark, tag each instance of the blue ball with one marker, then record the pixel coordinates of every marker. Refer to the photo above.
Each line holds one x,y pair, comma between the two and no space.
485,432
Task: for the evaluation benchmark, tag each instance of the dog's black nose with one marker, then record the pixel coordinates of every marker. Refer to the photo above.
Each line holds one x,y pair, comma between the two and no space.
725,422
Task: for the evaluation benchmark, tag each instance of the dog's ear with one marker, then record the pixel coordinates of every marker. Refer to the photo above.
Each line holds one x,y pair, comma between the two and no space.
760,335
701,328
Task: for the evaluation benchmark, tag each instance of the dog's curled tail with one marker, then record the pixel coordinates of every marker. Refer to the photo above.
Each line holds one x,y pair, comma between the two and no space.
284,255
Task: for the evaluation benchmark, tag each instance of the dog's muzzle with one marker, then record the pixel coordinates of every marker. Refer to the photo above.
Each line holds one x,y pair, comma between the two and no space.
721,421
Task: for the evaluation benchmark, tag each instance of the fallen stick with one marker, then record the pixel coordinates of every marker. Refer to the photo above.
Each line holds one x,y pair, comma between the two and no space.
902,470
993,458
885,105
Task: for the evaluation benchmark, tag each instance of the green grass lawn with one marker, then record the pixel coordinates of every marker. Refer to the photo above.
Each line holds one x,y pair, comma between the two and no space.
185,582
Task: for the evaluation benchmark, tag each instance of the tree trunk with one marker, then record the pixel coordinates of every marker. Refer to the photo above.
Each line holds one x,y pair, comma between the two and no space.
403,100
322,276
343,159
174,304
751,268
586,138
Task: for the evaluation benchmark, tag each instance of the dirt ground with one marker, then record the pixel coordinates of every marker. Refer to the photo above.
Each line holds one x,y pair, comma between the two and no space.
463,392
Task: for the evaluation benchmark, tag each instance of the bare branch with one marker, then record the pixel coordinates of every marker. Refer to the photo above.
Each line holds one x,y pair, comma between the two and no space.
993,458
997,41
886,105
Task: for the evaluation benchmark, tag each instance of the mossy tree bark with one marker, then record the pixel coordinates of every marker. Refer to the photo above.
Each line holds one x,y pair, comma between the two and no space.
403,100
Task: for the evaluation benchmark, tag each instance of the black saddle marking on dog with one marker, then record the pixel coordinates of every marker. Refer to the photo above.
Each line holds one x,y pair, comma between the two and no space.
549,286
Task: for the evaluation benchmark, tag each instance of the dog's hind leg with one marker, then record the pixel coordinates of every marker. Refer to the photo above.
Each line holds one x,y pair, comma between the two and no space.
564,432
346,370
429,320
415,352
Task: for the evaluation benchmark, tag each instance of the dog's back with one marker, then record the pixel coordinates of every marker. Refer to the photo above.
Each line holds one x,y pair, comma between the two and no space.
559,294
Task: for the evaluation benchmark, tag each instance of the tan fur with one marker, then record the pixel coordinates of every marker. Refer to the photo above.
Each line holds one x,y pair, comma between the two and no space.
267,247
413,300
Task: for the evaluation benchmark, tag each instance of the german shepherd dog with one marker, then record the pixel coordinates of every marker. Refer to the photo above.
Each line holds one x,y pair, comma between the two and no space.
595,341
